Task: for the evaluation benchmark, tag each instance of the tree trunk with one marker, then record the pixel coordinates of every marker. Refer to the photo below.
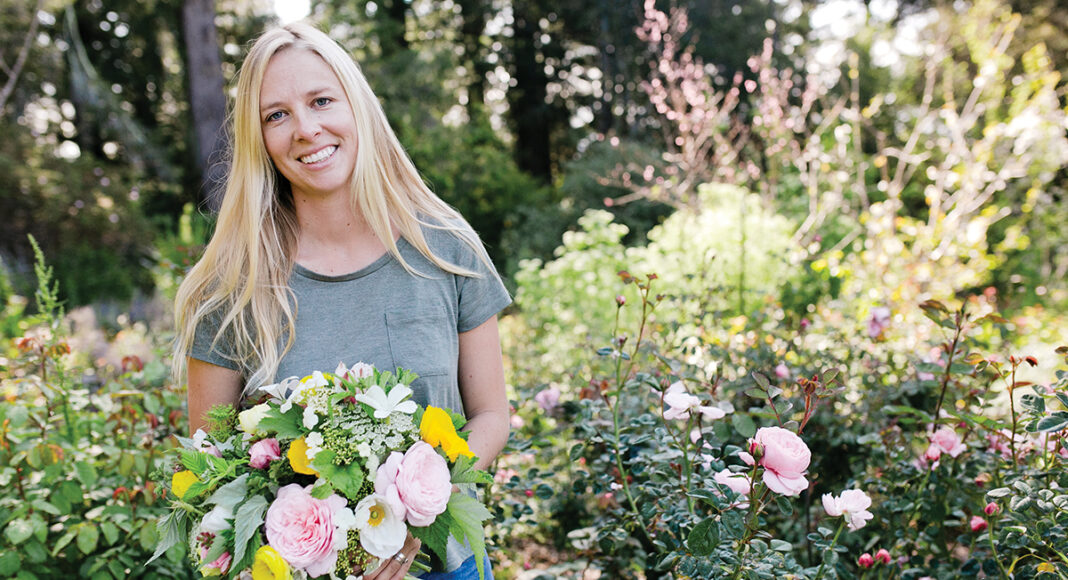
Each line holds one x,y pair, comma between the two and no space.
207,98
474,14
531,118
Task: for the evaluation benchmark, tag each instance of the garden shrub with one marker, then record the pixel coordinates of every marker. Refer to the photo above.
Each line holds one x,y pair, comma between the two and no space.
78,445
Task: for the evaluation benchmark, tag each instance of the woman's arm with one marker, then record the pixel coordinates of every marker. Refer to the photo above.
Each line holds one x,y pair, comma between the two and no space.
481,376
210,385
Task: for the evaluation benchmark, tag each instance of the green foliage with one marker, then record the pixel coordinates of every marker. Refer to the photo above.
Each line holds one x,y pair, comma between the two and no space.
76,458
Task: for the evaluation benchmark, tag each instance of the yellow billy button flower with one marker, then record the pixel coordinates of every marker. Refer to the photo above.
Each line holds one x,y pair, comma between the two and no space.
269,565
181,481
298,457
437,430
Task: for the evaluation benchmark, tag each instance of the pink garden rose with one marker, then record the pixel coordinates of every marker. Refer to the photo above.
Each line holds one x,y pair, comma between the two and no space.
305,531
263,452
785,458
420,480
882,556
548,399
865,560
737,482
977,524
945,440
852,504
878,322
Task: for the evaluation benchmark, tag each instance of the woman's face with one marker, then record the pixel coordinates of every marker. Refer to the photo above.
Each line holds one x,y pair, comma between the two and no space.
308,126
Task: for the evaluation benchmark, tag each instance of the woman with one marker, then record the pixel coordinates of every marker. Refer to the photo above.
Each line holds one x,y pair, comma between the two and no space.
329,248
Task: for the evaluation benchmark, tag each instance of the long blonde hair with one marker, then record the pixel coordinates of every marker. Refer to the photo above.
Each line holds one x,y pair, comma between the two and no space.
242,278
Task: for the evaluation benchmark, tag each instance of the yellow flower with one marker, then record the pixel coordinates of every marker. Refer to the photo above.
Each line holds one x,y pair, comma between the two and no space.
181,481
298,457
269,565
437,430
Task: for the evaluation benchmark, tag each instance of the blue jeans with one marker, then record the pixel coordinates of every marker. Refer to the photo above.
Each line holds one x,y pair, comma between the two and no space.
467,571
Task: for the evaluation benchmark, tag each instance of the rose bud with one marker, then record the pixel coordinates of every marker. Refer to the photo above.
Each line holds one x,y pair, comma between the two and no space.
978,524
865,560
882,556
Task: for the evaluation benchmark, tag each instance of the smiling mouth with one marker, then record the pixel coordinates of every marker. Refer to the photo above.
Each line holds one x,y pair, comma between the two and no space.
319,156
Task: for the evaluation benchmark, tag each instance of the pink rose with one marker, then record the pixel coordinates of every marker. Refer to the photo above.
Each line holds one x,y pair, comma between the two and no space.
865,560
222,563
547,399
420,480
303,531
737,482
882,556
978,524
263,452
785,457
991,509
852,504
782,371
948,441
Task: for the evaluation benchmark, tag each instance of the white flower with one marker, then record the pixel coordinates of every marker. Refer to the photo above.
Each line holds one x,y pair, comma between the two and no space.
360,370
853,505
216,520
382,533
384,404
279,392
249,419
680,403
314,441
311,418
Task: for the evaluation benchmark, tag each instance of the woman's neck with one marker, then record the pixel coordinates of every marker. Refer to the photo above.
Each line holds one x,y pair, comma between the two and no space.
334,238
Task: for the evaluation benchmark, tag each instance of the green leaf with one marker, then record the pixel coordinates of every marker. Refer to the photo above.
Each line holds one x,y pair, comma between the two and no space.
18,531
703,538
148,536
86,474
110,531
761,380
785,505
65,539
42,505
543,491
436,535
1033,403
126,464
229,495
576,452
348,479
743,424
1054,422
171,530
195,461
463,472
88,536
468,514
999,492
781,546
9,563
247,522
288,425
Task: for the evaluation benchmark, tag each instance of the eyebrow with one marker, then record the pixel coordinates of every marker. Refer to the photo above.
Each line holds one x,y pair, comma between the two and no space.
307,95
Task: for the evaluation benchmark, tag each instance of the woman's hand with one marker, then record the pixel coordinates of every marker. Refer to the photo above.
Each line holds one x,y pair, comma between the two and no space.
397,567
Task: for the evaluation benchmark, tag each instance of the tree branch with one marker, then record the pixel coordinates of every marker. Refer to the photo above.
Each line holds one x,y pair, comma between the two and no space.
20,60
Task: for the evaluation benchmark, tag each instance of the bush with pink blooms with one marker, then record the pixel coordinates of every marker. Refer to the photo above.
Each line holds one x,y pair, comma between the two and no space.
708,456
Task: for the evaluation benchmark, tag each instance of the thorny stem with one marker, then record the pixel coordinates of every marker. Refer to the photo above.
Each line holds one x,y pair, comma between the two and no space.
959,328
994,549
751,520
614,409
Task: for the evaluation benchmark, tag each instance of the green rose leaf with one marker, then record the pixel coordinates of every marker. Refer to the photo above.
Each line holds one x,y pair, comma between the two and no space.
9,563
704,537
18,531
743,424
88,536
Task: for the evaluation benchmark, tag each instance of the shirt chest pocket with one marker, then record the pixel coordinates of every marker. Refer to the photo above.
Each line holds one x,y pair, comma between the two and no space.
423,341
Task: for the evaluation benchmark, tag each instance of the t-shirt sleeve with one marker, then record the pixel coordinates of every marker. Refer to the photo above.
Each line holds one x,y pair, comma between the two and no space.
479,298
204,350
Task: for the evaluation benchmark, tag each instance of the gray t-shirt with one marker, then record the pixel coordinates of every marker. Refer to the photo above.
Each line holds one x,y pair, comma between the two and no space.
385,316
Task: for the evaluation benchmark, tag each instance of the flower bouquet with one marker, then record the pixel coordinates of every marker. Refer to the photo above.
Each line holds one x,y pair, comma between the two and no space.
324,477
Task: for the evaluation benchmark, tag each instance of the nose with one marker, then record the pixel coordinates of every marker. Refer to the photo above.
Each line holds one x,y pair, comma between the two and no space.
308,126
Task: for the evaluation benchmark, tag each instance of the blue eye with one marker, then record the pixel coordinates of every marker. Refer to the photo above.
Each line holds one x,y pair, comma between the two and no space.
323,101
274,116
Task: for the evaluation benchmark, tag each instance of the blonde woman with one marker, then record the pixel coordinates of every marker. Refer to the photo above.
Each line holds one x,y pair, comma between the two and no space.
329,248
